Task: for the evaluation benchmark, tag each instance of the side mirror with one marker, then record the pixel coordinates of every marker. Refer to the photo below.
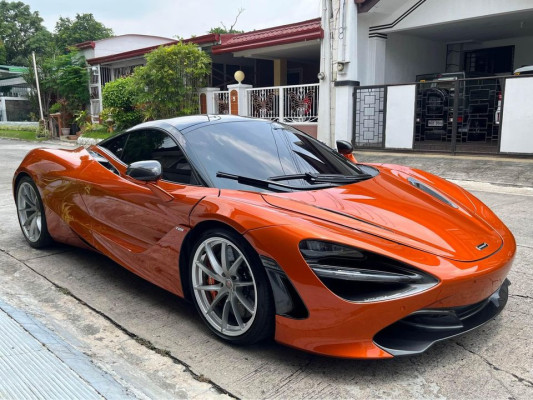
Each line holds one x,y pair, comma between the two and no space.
344,147
147,171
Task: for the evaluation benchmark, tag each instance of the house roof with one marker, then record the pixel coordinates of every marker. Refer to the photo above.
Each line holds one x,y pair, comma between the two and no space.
227,43
291,33
11,71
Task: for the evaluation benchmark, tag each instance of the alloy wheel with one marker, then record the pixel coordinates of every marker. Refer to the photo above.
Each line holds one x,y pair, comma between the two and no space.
29,212
224,286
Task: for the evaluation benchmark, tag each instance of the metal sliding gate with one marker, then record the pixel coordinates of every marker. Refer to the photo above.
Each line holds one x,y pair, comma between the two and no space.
455,115
460,115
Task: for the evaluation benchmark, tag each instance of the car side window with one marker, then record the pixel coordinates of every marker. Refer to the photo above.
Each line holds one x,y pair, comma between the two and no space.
116,145
156,145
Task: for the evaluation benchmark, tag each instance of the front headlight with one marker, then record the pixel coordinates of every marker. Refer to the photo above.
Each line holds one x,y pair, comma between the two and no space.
362,276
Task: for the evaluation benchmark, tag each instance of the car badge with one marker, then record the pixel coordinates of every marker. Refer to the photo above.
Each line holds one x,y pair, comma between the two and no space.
482,246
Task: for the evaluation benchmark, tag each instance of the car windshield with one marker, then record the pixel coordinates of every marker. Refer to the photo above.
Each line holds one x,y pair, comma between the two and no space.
264,150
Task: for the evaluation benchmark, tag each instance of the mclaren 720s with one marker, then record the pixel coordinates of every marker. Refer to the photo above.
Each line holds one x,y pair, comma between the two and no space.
272,234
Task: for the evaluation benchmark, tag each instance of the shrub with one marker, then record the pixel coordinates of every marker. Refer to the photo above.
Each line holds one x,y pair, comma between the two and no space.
171,79
119,99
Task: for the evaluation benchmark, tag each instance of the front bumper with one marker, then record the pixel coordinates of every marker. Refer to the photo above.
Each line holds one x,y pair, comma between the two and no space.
340,328
418,331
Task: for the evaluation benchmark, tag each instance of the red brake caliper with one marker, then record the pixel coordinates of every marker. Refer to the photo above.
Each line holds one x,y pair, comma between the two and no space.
213,293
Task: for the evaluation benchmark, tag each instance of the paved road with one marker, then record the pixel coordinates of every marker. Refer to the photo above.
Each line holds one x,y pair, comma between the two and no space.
492,362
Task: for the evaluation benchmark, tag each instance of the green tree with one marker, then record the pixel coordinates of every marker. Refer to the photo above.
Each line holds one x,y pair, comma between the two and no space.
119,100
171,79
61,77
72,80
22,32
3,53
84,27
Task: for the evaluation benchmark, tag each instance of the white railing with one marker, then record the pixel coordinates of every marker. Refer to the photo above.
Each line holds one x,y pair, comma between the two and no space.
221,102
289,104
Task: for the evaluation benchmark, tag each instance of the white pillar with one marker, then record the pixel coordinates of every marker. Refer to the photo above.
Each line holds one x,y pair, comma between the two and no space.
3,111
377,46
242,97
326,78
210,99
346,70
100,105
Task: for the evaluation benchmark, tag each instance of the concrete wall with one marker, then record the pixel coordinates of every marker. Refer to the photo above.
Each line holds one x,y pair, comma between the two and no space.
408,56
517,122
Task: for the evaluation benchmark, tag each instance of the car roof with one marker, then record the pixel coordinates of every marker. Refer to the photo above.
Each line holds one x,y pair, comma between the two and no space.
183,124
525,68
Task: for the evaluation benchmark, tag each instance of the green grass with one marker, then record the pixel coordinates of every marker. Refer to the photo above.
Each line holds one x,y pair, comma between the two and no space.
99,134
16,134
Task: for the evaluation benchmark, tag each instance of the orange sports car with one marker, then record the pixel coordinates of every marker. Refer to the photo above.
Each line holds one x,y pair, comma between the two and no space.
270,233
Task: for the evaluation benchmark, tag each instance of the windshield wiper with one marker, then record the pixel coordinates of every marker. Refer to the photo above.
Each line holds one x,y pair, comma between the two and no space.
267,183
322,178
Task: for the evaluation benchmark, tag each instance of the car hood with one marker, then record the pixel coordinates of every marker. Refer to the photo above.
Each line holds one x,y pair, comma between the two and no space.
389,206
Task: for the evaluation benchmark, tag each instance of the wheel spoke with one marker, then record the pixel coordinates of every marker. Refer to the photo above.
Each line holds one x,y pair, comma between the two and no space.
209,287
244,302
28,200
242,283
223,257
32,226
236,313
225,314
236,264
28,208
215,301
29,220
224,286
213,260
208,272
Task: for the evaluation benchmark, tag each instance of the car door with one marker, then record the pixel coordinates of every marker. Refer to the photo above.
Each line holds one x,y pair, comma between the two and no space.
141,225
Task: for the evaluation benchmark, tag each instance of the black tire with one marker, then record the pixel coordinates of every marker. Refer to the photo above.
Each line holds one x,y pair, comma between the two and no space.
43,238
262,325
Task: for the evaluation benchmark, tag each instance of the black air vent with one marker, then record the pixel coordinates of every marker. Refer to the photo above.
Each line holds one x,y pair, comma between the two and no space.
430,191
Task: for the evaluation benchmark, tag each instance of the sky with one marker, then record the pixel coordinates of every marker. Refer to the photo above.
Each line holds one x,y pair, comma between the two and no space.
178,18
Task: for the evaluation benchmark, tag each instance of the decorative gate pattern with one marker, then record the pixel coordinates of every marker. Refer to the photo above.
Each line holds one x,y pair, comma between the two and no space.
264,103
369,121
297,104
221,102
460,115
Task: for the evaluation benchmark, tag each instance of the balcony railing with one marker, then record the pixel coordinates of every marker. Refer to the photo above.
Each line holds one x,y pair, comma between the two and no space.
289,104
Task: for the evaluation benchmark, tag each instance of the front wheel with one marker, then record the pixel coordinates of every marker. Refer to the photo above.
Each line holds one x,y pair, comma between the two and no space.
31,215
230,288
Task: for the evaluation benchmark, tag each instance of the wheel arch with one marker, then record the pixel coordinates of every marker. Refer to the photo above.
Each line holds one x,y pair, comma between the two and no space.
18,176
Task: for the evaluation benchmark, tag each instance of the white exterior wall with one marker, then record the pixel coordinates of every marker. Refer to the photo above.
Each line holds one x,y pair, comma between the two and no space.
404,60
516,133
433,12
399,121
121,44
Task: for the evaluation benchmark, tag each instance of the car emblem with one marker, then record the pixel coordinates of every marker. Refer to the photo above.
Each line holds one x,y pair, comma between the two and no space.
482,246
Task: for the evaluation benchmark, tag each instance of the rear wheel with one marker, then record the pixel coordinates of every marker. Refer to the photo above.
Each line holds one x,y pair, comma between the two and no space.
230,288
30,213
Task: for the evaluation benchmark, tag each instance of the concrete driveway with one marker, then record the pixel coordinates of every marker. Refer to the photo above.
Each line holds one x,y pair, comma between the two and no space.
494,362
